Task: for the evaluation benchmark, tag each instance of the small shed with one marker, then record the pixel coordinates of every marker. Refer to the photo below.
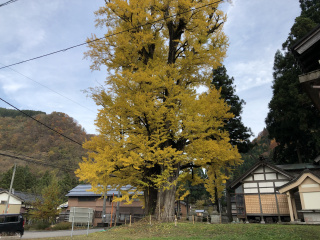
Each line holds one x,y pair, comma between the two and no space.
307,185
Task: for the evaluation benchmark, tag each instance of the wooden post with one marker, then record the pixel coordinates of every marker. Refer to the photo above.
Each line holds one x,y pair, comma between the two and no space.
290,206
278,211
175,220
193,219
207,219
159,205
130,220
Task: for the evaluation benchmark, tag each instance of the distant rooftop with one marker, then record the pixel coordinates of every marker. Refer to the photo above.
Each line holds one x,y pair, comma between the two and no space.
200,211
83,190
298,166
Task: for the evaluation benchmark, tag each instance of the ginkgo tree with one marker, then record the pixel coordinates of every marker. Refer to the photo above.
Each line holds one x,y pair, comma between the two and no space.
155,126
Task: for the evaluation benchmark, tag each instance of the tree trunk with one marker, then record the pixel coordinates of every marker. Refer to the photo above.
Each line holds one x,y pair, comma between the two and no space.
298,152
229,207
165,210
150,200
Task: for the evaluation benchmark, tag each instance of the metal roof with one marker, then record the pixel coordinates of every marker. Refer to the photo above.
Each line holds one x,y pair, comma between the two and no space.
200,211
83,190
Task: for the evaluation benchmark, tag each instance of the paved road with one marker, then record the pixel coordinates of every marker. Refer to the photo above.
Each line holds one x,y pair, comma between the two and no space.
61,233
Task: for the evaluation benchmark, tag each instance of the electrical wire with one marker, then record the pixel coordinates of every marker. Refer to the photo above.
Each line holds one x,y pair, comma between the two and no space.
6,3
61,134
38,162
110,35
49,88
63,50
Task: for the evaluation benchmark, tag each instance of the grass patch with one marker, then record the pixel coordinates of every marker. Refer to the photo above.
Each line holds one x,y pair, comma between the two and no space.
187,230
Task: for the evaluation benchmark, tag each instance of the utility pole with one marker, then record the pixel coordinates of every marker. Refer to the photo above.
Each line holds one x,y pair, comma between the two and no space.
12,179
104,208
117,209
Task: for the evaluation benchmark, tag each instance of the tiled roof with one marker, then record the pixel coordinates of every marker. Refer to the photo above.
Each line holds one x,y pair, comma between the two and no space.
27,197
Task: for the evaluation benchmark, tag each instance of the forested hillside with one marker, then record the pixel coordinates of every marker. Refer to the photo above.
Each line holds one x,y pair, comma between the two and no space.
262,147
42,154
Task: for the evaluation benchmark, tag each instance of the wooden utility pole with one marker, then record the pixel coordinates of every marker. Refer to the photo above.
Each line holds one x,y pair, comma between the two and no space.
104,207
117,209
12,179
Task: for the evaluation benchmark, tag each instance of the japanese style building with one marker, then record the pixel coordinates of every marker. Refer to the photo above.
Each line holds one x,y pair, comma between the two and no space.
264,194
285,192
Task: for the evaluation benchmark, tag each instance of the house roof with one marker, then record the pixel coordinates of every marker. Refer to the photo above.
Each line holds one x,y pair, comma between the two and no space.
12,195
298,166
298,180
27,197
83,190
238,181
23,196
306,52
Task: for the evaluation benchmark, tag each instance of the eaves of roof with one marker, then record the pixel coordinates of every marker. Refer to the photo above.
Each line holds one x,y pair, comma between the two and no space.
297,178
237,181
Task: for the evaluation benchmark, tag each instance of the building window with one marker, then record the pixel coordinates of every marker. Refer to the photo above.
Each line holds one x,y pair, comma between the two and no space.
98,214
87,199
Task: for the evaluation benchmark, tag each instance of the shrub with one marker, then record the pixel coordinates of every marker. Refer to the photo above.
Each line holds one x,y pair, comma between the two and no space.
40,226
62,226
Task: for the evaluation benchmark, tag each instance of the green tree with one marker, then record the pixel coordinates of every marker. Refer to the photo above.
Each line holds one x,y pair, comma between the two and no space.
153,125
239,134
24,180
292,119
67,182
45,209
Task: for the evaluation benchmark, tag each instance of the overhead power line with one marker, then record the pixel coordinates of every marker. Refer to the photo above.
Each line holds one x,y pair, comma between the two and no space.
6,3
61,134
38,162
49,88
110,35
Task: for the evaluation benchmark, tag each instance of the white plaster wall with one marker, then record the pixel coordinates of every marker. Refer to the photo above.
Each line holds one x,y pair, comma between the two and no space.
311,200
13,200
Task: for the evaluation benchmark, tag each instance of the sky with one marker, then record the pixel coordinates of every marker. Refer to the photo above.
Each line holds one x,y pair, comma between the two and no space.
28,29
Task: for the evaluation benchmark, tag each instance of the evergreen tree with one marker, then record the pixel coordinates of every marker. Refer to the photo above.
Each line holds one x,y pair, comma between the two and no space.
67,182
293,121
24,180
239,134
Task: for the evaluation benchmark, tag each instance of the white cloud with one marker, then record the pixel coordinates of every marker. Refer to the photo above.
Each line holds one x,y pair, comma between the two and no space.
256,29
